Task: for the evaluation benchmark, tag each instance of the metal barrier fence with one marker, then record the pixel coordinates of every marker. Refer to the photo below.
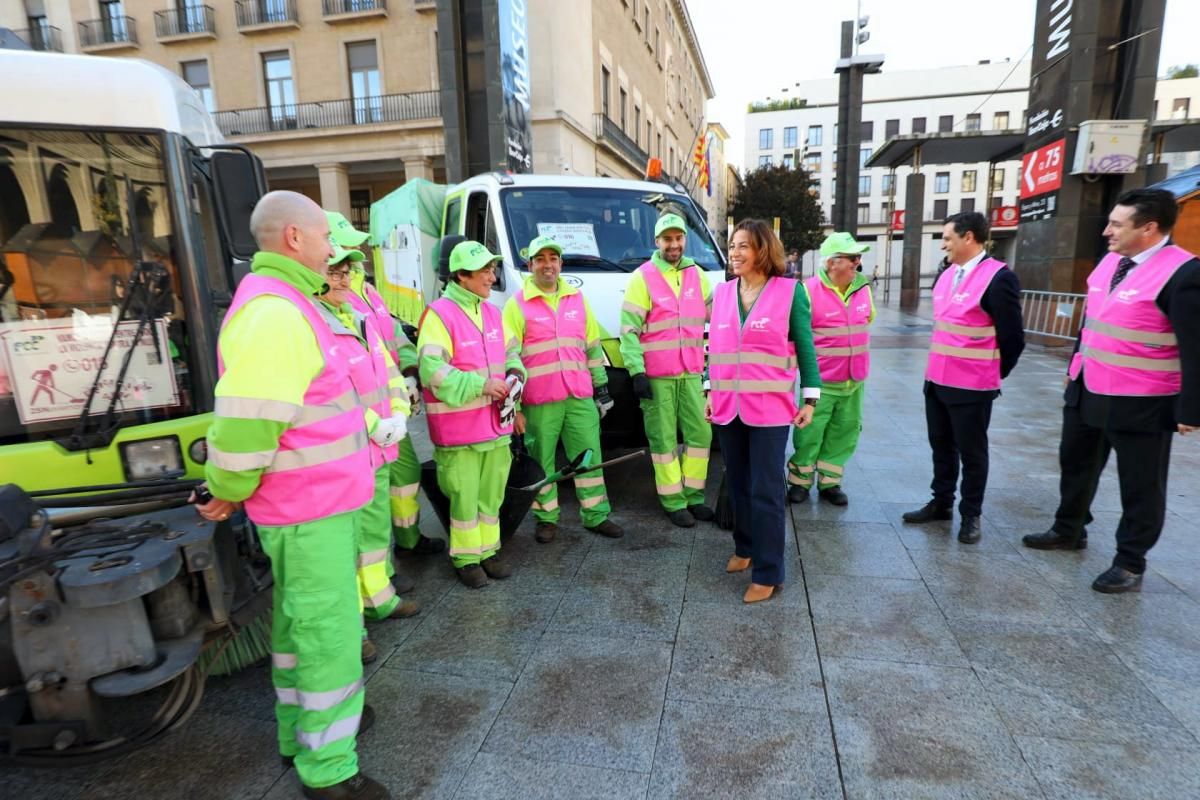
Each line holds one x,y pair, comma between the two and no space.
1055,315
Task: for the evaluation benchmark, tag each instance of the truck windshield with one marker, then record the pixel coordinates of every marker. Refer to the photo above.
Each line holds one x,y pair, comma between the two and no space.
71,202
602,229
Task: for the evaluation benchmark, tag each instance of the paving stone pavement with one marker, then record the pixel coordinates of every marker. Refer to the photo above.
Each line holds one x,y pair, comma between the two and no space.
896,664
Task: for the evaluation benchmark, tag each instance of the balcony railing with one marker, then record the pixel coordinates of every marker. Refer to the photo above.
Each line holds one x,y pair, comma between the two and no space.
189,21
46,38
331,113
107,32
255,13
610,132
339,8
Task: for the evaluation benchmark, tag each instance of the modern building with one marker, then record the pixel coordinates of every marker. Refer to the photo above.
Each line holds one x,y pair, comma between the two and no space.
340,98
978,97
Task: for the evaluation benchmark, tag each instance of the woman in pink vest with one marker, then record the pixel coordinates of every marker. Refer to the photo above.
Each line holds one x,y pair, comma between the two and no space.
759,341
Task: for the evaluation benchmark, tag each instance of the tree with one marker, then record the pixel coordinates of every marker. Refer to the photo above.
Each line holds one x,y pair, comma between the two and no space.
1185,71
777,191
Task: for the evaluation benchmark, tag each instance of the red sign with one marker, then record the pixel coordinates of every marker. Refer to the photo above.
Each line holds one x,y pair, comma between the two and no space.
1005,217
1042,170
898,220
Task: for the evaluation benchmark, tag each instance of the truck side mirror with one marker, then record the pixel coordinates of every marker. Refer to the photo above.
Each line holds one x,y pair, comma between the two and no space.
238,183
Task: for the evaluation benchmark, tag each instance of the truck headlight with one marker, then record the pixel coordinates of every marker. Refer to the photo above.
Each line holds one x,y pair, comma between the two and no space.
147,459
198,451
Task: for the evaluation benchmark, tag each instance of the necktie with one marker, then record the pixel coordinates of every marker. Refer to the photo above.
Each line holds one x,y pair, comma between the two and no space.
1123,267
959,272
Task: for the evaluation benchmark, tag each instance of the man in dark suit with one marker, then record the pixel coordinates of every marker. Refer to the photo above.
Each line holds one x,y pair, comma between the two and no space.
1134,381
978,335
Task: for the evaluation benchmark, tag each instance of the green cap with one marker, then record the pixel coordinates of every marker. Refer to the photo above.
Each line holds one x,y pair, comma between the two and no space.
539,244
842,242
668,221
342,232
469,256
340,254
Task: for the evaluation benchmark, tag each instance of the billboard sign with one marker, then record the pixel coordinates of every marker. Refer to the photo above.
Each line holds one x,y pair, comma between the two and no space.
514,84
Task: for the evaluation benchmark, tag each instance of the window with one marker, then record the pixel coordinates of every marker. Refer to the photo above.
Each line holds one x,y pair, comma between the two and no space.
864,184
888,184
996,202
883,213
657,50
918,125
891,128
945,123
867,131
973,122
764,161
997,181
365,88
112,18
1000,121
195,74
360,208
941,209
941,183
1180,108
815,133
789,137
787,160
621,107
646,21
968,180
968,204
863,155
864,212
658,146
766,138
281,92
649,136
637,125
605,91
812,162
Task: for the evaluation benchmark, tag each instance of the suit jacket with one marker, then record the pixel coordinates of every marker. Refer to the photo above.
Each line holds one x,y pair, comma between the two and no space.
1180,301
1002,302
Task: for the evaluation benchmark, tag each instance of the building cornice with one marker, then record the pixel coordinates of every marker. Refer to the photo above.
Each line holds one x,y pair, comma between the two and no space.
689,32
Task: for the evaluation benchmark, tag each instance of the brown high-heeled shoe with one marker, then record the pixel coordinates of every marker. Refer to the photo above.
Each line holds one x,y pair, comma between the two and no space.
737,564
758,592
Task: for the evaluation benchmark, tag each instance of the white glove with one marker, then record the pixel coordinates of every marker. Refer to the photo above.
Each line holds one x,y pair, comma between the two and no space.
414,394
389,431
515,387
508,409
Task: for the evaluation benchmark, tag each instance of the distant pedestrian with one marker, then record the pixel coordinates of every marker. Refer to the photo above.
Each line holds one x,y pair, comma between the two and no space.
1134,380
791,265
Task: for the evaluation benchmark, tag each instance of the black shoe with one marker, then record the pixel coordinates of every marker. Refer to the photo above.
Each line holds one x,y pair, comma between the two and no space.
364,724
928,513
1053,540
1117,580
701,512
403,584
472,576
495,568
682,518
359,787
424,547
608,528
969,533
798,494
545,532
834,496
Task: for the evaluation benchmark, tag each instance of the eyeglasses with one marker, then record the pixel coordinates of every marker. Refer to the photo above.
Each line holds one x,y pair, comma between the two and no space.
337,272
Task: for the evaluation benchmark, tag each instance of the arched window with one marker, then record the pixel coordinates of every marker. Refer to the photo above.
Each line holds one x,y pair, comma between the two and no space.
64,213
14,213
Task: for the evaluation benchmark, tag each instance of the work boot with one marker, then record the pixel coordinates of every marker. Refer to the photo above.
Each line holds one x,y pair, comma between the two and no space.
424,547
369,653
929,512
365,721
702,512
798,494
683,518
1053,540
969,533
359,787
495,568
405,609
608,528
472,576
403,584
834,496
545,532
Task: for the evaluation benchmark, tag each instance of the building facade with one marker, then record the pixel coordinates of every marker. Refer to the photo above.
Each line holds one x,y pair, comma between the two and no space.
340,98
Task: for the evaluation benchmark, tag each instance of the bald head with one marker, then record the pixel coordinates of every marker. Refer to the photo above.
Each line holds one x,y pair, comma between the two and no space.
292,225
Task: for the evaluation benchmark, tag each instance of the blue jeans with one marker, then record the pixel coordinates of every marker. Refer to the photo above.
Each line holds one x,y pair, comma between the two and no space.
754,468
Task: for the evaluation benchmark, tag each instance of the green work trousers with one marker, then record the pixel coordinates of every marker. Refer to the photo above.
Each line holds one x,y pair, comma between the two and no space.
577,422
474,482
678,405
375,568
825,446
316,658
405,478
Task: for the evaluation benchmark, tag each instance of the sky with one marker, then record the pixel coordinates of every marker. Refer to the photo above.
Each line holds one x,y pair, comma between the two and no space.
795,40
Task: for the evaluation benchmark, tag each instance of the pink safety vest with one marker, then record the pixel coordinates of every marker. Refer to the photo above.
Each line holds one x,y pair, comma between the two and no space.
752,365
1127,345
840,331
327,446
481,352
555,349
963,353
673,339
374,307
380,397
